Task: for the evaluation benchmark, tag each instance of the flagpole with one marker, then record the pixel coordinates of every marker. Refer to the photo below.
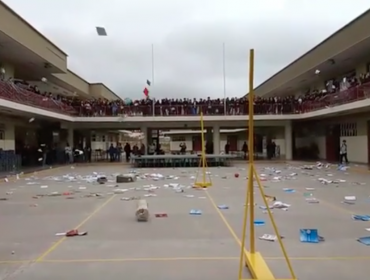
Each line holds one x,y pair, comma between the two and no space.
224,75
153,100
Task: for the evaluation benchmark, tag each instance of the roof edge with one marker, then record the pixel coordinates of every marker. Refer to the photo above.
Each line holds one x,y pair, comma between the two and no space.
78,76
31,26
314,48
102,84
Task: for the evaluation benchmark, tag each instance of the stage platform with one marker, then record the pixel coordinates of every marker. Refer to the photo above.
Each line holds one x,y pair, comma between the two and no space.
180,160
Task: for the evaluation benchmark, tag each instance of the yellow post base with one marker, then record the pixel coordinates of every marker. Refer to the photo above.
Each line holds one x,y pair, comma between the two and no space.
202,184
257,266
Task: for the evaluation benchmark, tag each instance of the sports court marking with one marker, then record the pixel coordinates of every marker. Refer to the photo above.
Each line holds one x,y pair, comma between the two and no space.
339,258
174,259
224,220
88,218
145,260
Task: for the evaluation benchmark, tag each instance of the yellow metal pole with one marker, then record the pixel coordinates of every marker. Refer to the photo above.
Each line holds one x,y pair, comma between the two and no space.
203,148
249,199
289,264
242,246
251,150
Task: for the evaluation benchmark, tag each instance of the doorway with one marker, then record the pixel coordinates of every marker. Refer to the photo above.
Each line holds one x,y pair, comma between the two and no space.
332,143
233,141
197,144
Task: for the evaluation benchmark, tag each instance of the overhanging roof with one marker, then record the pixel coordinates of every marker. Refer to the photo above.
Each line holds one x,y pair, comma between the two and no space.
14,27
344,44
100,90
72,82
34,56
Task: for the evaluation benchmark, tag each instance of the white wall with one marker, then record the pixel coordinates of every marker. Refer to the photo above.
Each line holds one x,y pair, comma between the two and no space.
176,140
7,136
102,140
356,154
357,147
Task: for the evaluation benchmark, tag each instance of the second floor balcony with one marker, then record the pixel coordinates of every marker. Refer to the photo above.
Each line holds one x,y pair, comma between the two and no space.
270,106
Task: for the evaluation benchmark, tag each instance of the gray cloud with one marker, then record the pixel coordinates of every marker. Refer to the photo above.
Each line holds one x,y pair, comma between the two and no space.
187,38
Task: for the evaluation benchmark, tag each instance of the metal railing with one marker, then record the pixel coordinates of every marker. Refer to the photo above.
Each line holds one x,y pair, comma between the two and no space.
11,92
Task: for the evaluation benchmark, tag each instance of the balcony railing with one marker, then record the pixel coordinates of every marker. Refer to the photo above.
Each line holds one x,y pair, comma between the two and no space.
13,93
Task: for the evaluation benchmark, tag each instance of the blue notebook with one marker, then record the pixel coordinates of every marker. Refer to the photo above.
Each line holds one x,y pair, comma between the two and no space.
364,218
195,212
310,236
259,223
364,240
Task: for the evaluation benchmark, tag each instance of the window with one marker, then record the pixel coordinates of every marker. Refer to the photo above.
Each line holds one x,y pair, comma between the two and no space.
178,138
93,138
103,138
368,67
348,129
2,135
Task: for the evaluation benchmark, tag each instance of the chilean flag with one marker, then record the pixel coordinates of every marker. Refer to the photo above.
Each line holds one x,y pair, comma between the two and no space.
146,89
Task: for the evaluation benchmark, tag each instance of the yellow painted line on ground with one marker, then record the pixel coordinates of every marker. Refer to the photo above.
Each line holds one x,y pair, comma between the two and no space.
257,266
228,226
174,259
60,241
335,258
274,279
143,260
204,259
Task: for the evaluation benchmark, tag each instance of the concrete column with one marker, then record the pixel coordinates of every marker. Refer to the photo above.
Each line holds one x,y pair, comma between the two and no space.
208,134
264,146
145,130
70,138
216,140
288,141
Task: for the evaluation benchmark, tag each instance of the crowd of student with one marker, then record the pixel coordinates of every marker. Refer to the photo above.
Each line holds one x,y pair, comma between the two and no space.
336,92
310,101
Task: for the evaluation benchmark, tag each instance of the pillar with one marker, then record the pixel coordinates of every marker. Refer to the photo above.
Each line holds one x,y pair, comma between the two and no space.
216,140
208,134
87,138
70,137
288,141
144,140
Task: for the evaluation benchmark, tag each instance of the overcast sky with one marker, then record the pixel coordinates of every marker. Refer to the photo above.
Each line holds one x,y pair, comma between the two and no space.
187,36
